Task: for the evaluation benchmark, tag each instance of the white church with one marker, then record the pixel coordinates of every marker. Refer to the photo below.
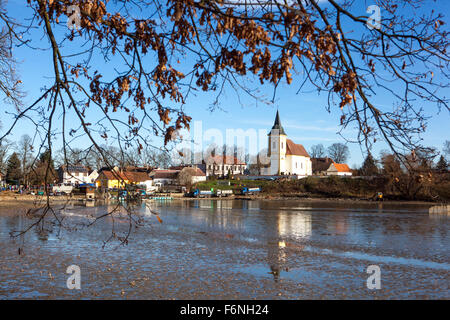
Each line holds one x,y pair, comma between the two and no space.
286,157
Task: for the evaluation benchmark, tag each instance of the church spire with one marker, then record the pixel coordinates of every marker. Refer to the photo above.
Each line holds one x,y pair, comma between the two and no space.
277,124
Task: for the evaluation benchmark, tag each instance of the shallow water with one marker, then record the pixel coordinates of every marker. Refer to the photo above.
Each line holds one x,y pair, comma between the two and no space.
233,249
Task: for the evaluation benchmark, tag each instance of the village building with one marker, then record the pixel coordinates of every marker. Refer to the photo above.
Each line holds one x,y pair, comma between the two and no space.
73,174
339,169
191,175
321,165
92,177
286,157
162,177
118,179
222,165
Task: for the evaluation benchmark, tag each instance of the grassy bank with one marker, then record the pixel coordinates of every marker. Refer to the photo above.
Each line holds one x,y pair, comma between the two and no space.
340,187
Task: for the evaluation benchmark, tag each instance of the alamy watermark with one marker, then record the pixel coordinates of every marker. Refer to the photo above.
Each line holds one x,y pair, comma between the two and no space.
74,280
74,17
374,280
374,21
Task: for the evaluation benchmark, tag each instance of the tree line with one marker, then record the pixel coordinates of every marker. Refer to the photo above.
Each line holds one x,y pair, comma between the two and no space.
21,163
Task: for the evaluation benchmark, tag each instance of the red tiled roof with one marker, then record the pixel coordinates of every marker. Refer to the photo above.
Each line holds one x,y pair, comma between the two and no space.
295,149
342,167
130,176
136,176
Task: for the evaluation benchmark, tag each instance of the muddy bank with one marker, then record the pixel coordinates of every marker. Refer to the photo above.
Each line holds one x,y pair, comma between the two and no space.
31,201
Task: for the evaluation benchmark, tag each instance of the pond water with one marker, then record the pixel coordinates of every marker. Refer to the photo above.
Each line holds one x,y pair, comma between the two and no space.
231,249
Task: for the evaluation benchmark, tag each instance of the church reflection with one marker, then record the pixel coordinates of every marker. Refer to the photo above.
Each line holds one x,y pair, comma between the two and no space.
289,228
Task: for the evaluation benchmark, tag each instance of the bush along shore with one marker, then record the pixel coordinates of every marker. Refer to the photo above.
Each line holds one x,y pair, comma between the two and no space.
333,187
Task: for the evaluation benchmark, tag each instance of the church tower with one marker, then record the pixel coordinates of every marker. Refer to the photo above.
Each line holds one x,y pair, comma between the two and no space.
277,148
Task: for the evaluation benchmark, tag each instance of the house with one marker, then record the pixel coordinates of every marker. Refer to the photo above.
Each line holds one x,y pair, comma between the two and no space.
92,177
162,177
321,165
191,175
223,165
286,157
74,175
139,178
110,179
116,178
88,189
339,169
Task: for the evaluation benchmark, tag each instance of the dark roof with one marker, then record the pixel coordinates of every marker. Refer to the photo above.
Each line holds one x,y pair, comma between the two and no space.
164,174
321,164
295,149
277,124
76,168
139,169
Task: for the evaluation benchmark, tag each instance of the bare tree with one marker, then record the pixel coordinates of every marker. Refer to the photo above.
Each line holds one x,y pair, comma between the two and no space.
447,149
318,151
5,146
10,84
185,177
339,152
25,152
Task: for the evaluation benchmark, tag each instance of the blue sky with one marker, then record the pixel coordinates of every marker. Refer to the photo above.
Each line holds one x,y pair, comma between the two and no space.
303,115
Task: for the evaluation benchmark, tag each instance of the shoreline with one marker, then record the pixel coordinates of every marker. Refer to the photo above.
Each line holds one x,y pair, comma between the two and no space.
27,200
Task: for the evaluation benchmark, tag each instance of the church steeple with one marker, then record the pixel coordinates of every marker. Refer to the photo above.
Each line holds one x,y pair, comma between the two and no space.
277,124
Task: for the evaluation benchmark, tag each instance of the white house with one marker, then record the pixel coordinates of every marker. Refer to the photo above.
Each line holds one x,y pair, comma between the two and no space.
286,157
195,174
93,175
74,175
162,177
339,169
221,165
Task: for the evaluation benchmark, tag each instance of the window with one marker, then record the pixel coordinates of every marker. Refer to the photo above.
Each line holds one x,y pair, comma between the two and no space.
274,145
282,146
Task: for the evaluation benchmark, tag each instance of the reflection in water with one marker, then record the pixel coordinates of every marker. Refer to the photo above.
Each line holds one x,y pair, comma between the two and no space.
287,242
287,225
297,224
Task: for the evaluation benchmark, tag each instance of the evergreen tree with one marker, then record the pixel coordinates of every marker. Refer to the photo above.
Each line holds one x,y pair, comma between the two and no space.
442,165
13,169
369,167
44,173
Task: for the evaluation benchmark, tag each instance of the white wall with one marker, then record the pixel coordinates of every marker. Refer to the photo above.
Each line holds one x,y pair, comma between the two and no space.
75,178
277,152
163,181
332,171
299,165
196,179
